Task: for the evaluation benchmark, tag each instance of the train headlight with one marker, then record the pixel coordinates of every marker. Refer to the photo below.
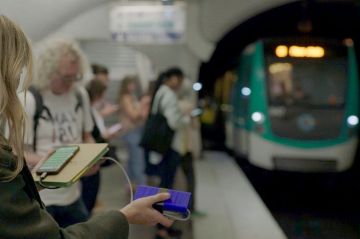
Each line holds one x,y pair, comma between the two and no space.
197,86
258,117
353,120
245,91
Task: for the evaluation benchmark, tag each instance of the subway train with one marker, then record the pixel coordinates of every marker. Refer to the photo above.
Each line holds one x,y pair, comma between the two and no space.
294,105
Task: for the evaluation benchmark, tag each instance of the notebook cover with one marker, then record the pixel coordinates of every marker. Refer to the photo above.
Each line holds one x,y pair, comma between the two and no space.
87,156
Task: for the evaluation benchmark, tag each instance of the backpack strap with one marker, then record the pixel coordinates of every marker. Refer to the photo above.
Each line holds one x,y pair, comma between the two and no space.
158,104
30,186
79,100
39,107
80,105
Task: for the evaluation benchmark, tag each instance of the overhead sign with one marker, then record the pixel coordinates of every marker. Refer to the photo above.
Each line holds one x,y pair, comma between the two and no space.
148,24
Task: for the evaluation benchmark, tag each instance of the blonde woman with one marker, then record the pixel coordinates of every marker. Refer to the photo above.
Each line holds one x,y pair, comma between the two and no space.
132,118
23,214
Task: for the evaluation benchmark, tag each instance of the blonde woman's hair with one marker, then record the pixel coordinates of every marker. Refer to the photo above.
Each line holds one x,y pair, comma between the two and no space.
15,54
48,56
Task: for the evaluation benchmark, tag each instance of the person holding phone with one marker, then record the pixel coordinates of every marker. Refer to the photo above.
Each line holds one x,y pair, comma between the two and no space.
90,185
132,117
104,107
97,90
166,102
23,214
61,117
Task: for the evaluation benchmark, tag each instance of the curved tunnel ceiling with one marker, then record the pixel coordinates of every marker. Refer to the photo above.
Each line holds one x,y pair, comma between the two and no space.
219,16
40,18
333,19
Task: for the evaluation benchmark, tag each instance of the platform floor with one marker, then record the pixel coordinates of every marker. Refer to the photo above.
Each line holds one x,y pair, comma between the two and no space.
233,208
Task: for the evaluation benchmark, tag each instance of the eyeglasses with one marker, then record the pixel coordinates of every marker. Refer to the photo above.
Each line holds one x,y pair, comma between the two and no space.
69,78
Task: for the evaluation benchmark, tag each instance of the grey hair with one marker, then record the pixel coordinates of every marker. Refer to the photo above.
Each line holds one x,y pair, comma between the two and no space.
48,57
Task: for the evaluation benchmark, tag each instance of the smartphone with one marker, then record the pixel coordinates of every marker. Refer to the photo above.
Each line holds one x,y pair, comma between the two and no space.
58,160
115,128
196,112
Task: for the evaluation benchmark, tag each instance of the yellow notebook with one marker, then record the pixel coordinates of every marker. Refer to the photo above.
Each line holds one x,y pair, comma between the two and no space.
87,156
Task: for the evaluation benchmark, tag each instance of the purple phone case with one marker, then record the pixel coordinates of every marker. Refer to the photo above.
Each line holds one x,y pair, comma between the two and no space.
178,201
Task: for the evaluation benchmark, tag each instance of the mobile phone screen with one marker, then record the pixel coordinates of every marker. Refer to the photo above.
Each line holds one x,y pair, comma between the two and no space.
58,159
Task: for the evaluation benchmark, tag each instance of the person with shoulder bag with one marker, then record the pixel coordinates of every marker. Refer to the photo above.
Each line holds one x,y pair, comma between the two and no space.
161,137
101,134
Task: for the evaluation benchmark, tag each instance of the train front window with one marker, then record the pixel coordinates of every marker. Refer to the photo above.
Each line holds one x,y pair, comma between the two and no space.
314,83
306,90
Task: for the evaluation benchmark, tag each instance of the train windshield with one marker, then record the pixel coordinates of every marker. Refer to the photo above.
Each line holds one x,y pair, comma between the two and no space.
306,87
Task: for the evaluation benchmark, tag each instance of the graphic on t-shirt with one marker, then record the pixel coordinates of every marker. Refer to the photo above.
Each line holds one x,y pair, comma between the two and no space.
67,127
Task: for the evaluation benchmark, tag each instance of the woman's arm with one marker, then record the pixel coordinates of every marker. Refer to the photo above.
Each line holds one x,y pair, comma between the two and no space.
171,110
108,109
22,216
130,109
115,224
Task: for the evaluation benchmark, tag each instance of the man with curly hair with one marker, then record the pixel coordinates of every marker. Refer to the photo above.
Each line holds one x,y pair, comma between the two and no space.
64,118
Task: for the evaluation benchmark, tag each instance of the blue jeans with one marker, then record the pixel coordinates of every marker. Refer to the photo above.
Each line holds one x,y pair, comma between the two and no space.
166,169
168,166
69,215
187,165
136,161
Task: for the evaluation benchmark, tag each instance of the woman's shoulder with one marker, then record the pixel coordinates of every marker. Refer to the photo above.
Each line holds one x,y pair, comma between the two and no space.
165,91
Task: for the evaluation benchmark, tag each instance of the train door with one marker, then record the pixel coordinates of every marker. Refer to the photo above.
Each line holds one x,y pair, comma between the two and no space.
241,103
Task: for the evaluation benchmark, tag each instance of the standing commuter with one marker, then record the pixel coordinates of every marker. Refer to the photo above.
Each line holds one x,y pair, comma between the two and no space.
101,73
166,102
132,118
62,118
105,108
90,184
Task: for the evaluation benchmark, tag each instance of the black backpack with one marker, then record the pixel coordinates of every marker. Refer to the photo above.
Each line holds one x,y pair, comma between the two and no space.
40,107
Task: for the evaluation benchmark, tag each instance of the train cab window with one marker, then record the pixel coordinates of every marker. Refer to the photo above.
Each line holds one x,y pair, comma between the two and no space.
306,85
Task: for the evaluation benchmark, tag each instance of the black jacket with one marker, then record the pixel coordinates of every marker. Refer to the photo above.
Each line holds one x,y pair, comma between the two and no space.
23,216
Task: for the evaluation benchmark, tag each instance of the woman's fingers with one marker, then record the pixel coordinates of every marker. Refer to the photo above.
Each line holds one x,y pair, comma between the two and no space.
158,198
159,218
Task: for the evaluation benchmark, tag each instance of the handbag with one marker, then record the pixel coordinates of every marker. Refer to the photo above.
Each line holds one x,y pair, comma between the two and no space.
157,135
